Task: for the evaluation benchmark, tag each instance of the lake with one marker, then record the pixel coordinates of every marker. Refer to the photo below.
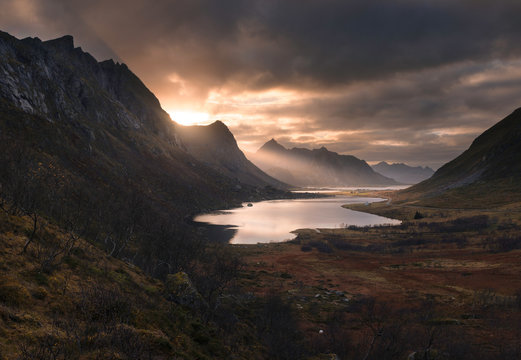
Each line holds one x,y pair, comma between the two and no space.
274,220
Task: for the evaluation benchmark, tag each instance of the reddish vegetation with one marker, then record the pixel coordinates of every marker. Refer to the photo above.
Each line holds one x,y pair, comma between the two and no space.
448,275
462,281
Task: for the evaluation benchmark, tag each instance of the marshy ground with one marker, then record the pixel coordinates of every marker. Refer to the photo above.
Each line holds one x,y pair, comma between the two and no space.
451,278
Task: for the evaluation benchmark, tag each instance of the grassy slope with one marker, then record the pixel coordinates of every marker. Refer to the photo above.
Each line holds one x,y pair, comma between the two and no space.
488,174
92,299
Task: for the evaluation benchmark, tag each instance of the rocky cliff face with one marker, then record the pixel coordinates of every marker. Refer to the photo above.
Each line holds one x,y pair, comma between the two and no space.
98,123
58,82
317,167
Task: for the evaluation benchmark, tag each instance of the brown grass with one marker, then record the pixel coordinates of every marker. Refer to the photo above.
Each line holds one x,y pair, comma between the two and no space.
458,277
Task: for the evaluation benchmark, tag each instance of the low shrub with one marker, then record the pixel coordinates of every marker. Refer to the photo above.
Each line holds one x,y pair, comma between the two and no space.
504,243
321,246
306,248
418,215
40,294
12,293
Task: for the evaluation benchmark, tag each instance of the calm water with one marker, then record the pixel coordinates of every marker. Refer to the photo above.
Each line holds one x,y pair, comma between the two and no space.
273,221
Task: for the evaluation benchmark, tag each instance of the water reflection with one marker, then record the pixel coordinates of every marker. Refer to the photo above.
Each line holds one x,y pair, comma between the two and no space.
273,221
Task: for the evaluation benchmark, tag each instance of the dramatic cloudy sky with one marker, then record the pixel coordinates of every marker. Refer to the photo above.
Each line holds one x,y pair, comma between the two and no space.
401,80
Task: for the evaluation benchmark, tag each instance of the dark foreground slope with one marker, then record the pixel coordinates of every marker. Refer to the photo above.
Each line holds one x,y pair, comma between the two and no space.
487,174
81,304
317,167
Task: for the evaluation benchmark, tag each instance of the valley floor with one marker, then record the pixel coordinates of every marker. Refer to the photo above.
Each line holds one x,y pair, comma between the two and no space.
444,285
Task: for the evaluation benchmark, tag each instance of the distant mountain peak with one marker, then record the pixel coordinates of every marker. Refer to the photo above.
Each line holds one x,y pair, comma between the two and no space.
219,126
403,173
216,146
272,146
217,123
317,167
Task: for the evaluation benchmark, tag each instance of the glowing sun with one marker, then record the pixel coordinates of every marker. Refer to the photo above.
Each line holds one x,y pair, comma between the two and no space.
190,117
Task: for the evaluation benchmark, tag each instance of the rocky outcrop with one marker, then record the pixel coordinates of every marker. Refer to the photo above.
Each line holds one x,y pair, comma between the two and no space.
58,82
179,289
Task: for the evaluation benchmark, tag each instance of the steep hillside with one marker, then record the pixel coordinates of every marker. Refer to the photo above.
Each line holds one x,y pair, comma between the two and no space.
403,173
88,138
215,146
317,167
99,122
62,298
97,258
488,173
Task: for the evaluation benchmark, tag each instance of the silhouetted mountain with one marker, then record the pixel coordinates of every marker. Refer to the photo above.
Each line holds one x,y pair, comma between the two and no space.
272,146
97,127
487,173
318,167
403,173
215,146
92,169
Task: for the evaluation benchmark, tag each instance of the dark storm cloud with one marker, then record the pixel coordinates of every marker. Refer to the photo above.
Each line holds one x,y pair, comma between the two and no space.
388,70
432,114
292,42
417,100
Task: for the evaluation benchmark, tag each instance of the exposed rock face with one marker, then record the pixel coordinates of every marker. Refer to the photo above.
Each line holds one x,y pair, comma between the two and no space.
58,82
98,122
403,173
317,167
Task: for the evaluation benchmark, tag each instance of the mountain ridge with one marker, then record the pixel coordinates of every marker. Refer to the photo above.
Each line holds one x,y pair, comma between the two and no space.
316,167
216,147
77,133
492,161
136,107
403,173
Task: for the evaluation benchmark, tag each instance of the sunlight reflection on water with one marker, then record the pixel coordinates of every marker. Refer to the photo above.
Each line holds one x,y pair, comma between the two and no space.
273,220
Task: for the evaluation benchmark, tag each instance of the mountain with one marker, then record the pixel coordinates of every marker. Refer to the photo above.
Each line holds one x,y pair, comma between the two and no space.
98,118
488,173
215,146
89,138
97,186
317,167
403,173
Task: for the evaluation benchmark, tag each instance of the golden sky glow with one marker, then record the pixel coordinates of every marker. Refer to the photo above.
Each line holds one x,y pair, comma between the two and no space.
309,73
185,117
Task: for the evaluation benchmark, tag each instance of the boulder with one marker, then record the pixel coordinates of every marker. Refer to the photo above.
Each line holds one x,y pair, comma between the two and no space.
179,289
